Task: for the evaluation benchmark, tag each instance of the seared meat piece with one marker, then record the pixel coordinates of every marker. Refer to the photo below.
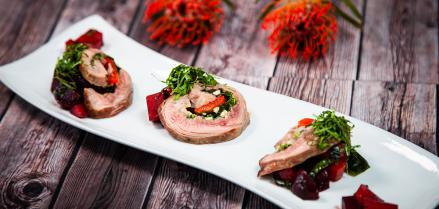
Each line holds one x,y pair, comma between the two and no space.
198,130
109,104
302,146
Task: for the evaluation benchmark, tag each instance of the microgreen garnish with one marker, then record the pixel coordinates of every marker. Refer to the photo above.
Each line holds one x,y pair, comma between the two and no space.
330,128
182,79
67,67
97,56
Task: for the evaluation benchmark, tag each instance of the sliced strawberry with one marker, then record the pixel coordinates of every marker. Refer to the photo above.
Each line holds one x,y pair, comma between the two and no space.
153,102
79,111
336,169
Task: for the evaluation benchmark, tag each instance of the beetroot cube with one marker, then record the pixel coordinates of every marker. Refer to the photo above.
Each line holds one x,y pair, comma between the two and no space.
369,203
153,102
349,202
364,192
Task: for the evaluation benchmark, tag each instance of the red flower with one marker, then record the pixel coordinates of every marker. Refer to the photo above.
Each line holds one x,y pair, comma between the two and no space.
302,28
183,22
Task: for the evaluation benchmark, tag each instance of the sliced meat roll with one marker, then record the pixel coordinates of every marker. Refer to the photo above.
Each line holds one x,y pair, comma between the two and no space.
109,104
302,145
174,115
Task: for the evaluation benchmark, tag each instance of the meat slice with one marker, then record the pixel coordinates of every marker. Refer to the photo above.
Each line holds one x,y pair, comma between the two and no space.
303,145
109,104
174,117
93,70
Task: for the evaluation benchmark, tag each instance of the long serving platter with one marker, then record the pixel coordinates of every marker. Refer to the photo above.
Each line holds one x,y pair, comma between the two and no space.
400,172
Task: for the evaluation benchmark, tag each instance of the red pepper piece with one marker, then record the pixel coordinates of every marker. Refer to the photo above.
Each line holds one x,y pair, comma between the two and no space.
305,122
211,105
113,77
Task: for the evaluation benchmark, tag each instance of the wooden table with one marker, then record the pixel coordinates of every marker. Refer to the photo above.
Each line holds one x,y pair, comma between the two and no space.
386,75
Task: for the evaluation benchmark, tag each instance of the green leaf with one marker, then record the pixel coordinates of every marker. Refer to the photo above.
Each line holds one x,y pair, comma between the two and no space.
267,10
353,8
229,3
356,164
356,23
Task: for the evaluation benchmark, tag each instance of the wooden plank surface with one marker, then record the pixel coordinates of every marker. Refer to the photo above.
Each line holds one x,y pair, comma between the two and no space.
400,41
340,63
35,149
105,174
407,110
25,26
240,47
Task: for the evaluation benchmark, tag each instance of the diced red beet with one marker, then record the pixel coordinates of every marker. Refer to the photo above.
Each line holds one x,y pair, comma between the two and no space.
288,174
79,111
369,203
364,192
322,180
91,38
153,102
305,187
66,97
336,169
349,202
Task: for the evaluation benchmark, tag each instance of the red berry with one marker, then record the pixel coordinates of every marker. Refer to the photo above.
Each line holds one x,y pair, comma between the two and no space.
79,111
336,170
153,102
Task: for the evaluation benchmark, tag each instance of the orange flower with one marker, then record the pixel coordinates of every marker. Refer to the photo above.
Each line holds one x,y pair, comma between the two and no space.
183,22
302,28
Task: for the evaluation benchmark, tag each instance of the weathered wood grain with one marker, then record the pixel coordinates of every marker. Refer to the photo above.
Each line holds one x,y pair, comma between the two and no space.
6,98
179,186
239,48
106,175
341,61
119,13
407,110
34,149
25,26
400,41
335,94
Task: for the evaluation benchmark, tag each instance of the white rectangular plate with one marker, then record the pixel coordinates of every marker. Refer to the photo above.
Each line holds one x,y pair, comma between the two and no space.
400,172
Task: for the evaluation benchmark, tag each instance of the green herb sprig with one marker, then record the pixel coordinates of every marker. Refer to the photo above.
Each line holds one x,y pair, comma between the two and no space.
182,79
67,67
